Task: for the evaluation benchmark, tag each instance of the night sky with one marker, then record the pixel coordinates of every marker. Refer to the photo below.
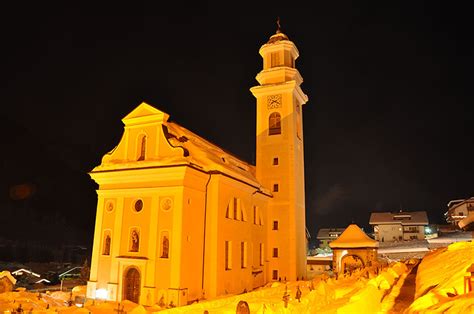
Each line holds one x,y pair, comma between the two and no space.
389,123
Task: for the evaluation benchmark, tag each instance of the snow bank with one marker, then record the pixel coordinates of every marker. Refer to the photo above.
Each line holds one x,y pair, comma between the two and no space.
360,293
440,280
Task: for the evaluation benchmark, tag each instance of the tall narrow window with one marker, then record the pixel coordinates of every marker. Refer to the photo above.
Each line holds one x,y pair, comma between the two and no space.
243,254
228,255
142,148
255,215
229,211
298,122
236,207
262,256
274,124
275,161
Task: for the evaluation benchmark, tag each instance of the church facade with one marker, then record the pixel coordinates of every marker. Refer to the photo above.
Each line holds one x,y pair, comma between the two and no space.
180,219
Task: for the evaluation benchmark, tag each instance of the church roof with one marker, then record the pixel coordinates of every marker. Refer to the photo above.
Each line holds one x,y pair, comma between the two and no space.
209,156
353,237
189,149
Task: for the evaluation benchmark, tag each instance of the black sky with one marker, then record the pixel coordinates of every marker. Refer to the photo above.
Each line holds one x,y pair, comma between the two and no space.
389,122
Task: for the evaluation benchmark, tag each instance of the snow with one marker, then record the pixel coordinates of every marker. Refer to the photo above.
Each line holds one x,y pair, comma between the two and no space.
440,281
361,292
353,237
439,288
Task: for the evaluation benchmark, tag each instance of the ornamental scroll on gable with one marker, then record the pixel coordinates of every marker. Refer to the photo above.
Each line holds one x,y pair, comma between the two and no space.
144,139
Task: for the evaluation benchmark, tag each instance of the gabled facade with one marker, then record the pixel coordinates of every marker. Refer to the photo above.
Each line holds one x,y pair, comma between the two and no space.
180,219
399,226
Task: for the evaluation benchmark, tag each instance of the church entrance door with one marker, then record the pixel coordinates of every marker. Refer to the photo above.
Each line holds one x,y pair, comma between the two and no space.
131,285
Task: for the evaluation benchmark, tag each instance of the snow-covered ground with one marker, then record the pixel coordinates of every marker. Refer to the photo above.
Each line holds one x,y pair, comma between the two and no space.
439,288
440,281
362,292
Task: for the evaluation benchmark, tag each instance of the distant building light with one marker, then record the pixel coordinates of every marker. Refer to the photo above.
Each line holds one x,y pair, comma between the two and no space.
101,294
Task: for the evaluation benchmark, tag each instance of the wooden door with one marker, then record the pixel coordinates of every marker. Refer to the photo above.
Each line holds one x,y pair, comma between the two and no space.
131,285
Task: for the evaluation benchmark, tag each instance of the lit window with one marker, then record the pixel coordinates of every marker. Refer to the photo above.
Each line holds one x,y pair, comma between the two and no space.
274,124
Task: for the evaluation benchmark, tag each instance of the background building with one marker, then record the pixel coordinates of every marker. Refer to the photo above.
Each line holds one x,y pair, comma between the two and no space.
461,213
326,235
399,226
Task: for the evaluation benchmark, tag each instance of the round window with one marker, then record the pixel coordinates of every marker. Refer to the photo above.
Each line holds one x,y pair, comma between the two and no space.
138,205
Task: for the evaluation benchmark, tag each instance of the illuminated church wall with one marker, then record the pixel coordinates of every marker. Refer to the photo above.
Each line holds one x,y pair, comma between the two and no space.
179,219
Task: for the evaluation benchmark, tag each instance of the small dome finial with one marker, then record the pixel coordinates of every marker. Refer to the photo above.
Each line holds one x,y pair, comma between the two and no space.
278,25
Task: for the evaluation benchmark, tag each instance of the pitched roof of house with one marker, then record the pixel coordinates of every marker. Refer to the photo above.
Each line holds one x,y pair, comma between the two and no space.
453,204
353,237
402,218
327,233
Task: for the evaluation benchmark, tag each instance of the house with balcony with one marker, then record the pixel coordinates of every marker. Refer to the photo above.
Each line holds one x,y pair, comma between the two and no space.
399,226
461,213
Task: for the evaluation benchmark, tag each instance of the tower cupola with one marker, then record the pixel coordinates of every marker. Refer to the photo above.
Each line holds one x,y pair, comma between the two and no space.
279,55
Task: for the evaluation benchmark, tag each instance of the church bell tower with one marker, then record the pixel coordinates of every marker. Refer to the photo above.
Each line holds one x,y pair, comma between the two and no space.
280,158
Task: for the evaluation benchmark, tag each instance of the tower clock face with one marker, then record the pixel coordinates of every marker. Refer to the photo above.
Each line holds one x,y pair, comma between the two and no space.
274,101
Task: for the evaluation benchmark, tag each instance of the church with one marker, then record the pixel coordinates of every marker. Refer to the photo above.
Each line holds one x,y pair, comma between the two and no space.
179,219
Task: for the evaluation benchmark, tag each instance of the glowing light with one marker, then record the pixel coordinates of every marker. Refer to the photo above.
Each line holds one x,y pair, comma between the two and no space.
101,294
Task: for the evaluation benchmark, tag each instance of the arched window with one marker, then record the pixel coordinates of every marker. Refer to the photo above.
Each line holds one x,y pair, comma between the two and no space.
274,124
142,148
